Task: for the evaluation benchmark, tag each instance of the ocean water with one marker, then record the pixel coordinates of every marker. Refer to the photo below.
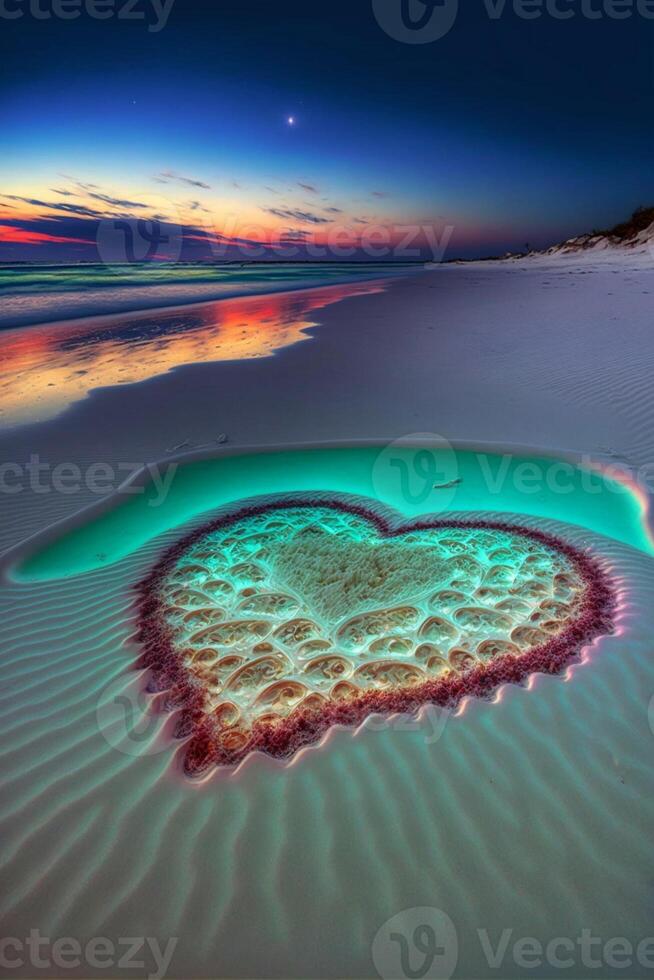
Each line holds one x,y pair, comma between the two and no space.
40,294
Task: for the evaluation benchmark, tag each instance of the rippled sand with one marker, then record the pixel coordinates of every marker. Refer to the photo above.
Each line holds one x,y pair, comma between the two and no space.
94,838
532,813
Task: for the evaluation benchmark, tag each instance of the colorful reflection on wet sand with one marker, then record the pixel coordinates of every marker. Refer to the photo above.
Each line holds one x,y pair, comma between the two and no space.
47,368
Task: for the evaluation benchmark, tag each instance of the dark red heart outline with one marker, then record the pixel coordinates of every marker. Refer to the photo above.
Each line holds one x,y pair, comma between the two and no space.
283,740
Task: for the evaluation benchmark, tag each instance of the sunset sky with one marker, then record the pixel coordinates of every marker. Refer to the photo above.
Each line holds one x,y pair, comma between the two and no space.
509,131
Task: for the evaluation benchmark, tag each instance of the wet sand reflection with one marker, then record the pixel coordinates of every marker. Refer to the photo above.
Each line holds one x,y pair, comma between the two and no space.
47,368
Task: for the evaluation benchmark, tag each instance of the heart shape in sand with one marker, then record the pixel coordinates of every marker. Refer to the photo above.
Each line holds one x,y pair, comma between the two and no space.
338,575
272,624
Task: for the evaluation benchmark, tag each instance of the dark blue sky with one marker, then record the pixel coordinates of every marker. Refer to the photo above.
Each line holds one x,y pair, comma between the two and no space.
508,130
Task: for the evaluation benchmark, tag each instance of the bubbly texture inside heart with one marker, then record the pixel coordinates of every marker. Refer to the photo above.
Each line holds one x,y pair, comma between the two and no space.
269,626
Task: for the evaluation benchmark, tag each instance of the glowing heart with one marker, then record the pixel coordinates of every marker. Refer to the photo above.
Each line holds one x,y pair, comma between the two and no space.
273,624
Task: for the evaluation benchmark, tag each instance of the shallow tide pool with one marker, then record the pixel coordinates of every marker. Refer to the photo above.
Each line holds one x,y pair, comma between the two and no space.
412,480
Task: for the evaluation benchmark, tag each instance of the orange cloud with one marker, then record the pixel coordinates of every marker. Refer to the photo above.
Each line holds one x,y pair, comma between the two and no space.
23,237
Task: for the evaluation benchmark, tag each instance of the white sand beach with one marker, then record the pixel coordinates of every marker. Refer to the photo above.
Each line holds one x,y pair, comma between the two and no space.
531,813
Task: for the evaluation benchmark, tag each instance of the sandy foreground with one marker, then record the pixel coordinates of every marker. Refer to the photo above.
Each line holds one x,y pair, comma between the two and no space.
532,814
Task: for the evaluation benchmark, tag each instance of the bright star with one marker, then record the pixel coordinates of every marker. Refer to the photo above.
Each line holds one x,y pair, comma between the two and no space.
291,120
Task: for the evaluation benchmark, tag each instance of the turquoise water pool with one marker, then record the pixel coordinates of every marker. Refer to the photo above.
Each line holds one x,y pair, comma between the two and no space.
413,480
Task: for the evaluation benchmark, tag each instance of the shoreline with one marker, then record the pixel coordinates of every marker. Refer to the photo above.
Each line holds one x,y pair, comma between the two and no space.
184,306
69,310
432,356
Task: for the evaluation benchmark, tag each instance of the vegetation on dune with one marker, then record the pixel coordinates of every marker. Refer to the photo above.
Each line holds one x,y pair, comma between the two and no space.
641,219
